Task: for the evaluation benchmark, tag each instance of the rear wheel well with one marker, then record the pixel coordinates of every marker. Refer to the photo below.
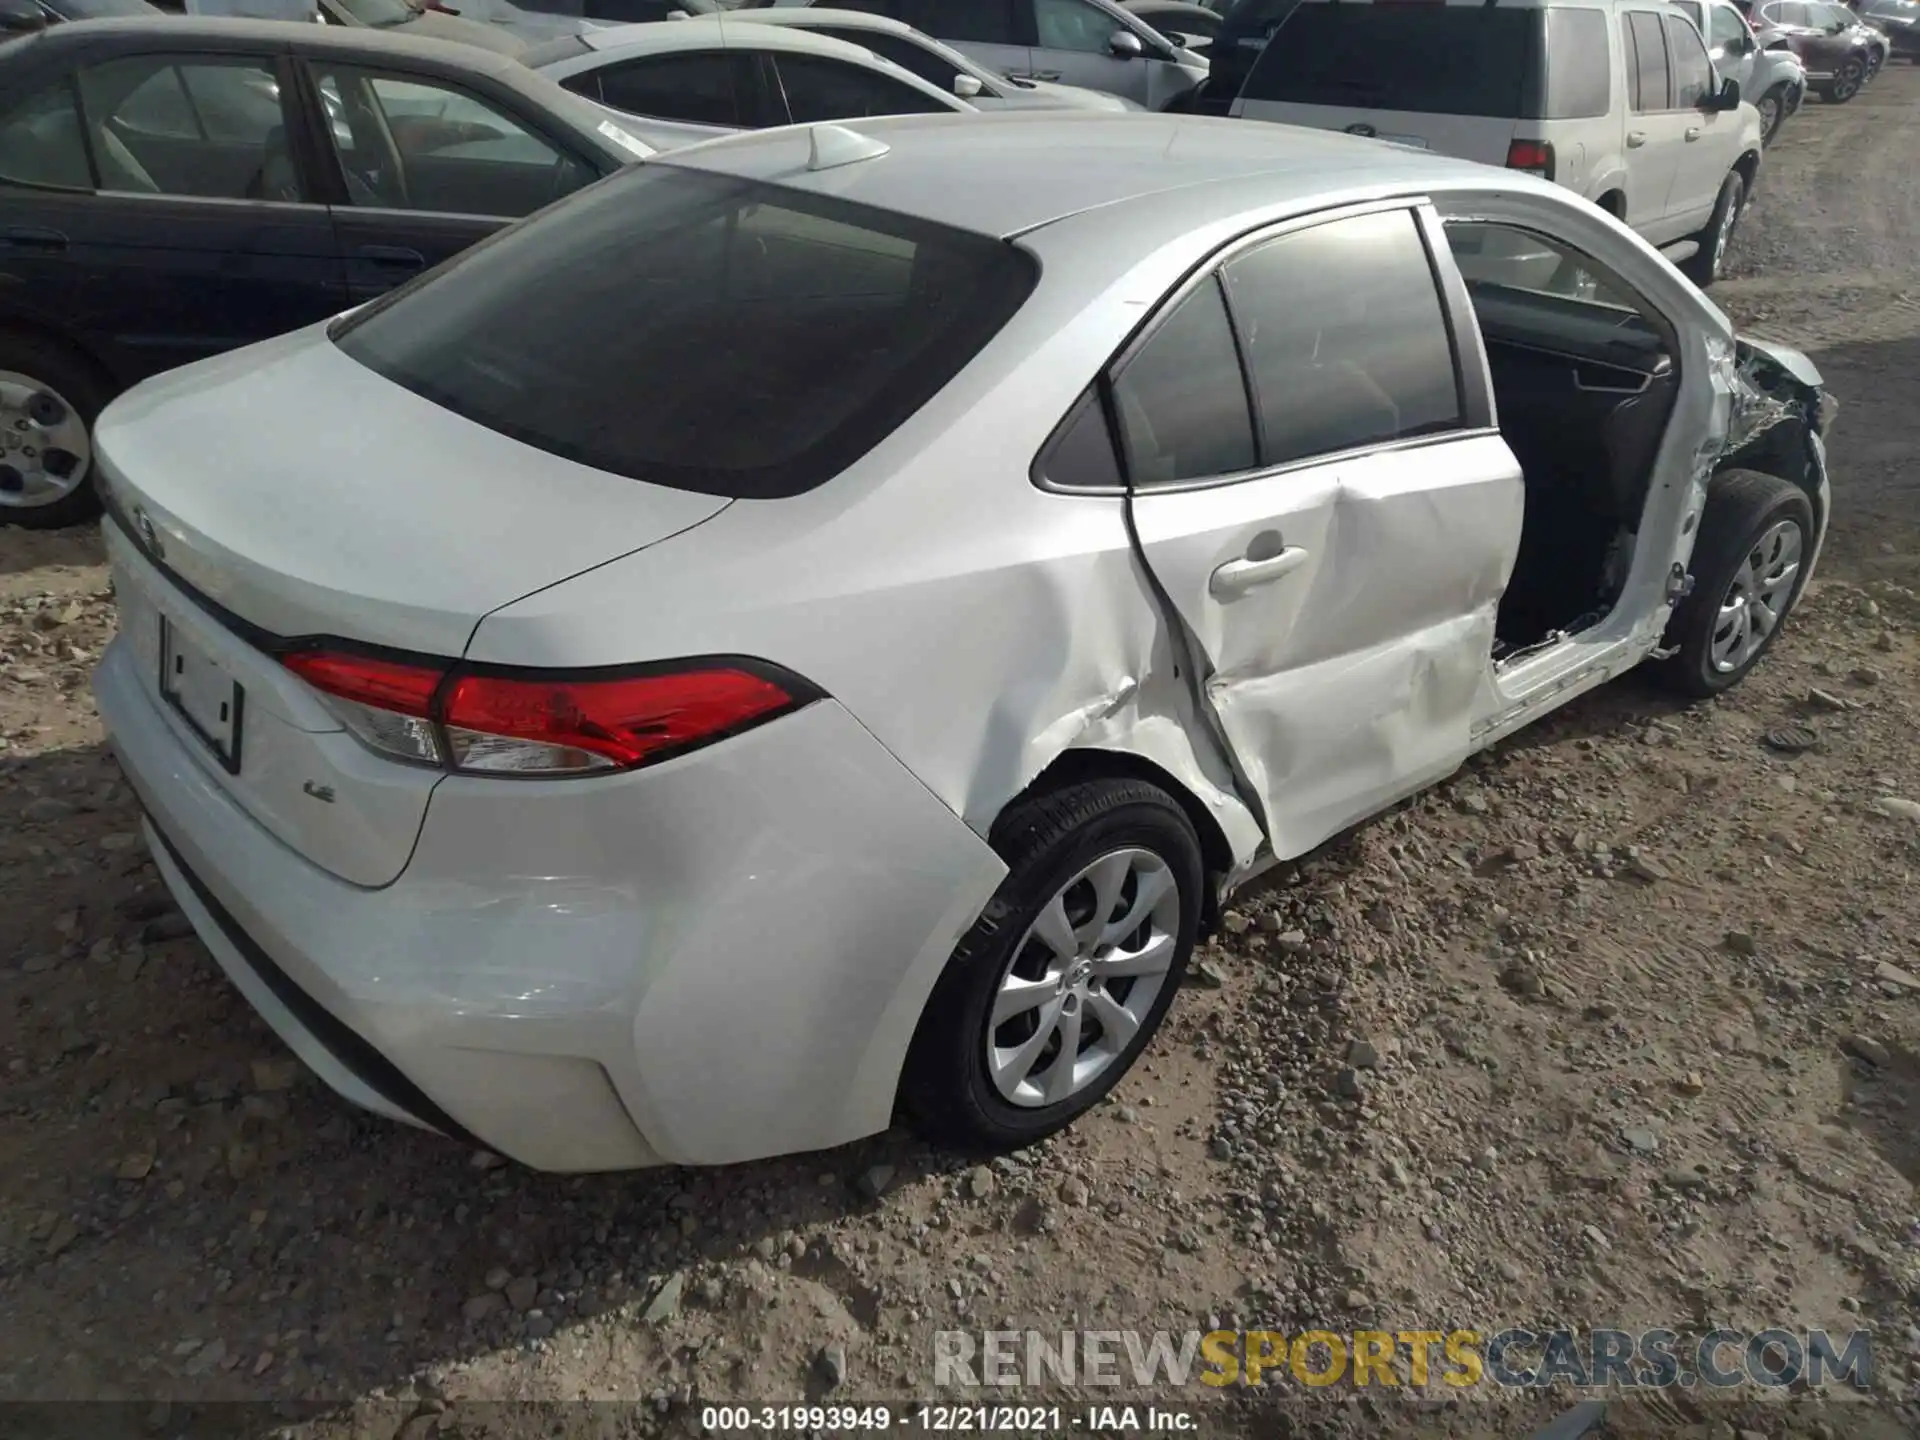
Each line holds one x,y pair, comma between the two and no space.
27,332
1075,766
1614,202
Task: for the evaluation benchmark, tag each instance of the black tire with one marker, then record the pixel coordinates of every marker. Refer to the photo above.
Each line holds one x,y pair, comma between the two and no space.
1771,127
1703,266
1846,82
1742,507
54,365
946,1090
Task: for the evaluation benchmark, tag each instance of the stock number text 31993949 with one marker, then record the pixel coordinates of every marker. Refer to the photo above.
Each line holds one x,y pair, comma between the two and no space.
928,1419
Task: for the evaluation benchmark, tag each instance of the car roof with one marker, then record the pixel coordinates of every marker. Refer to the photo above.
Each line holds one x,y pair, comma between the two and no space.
1006,173
657,37
804,15
218,33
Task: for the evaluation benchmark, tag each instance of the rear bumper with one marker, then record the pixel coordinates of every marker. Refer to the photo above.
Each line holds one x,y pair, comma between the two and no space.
713,960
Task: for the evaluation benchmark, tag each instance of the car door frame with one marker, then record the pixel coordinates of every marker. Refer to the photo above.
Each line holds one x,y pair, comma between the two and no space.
384,246
1293,819
133,355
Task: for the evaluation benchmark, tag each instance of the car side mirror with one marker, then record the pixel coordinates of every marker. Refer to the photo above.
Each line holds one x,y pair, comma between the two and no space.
1728,97
1126,45
966,86
21,17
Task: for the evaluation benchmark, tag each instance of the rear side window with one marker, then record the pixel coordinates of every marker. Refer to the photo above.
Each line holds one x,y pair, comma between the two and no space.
702,87
42,143
821,89
1346,342
1692,71
1579,70
1646,61
698,331
1430,59
1182,401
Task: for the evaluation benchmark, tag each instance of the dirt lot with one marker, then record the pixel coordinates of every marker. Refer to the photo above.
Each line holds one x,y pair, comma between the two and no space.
1620,1041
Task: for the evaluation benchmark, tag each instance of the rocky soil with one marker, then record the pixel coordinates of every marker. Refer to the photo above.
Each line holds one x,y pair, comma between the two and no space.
1620,1026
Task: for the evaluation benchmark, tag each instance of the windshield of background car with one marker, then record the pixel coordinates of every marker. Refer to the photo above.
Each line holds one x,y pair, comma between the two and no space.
1428,59
380,14
698,331
108,9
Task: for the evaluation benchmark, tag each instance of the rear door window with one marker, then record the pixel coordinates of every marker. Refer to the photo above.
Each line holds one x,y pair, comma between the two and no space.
1426,59
1181,400
699,87
984,22
1692,71
207,127
1345,338
1579,70
914,59
697,330
818,88
1646,62
42,142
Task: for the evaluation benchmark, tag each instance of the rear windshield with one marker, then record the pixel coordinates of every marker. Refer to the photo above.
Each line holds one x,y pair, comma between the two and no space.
698,331
1431,59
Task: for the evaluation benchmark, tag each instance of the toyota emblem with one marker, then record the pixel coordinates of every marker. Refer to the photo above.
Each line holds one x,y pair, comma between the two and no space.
1364,131
148,532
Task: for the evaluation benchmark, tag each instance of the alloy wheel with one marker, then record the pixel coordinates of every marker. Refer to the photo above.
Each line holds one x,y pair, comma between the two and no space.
1083,979
1846,84
1761,590
1769,108
45,452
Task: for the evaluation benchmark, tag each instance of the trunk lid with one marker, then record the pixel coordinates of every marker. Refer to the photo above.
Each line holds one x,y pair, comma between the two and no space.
246,514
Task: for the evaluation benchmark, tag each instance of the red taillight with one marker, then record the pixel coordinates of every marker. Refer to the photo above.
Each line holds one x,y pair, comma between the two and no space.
1533,156
383,684
526,723
619,723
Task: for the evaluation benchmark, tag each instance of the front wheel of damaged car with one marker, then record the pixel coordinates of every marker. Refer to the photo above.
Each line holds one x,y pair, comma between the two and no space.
1756,537
1061,983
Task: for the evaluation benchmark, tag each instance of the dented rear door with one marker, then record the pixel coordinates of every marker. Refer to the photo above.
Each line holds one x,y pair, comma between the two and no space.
1333,524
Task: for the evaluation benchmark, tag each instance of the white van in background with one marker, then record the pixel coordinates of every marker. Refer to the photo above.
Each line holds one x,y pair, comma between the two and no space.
1615,99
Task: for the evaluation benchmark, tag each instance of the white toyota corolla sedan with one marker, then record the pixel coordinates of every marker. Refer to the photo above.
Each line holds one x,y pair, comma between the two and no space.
810,628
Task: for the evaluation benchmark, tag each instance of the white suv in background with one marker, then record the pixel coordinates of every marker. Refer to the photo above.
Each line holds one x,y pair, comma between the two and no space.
1616,100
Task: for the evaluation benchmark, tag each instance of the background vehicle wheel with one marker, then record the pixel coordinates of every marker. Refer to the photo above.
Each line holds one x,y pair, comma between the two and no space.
1874,61
49,400
1756,535
1846,81
1773,113
1704,266
1063,980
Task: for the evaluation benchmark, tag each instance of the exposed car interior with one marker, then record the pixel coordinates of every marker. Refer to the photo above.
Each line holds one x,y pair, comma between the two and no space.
1584,385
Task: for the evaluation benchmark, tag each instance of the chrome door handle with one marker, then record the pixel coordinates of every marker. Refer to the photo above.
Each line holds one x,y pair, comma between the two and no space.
1693,133
1636,138
1236,577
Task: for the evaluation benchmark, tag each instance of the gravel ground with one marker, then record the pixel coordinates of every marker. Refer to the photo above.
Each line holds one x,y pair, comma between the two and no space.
1619,1026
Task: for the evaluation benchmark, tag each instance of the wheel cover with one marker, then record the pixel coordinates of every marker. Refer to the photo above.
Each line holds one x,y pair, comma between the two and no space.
1769,116
1757,599
45,451
1083,979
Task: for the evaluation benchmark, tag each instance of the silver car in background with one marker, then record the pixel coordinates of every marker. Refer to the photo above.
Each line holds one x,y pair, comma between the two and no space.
678,84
